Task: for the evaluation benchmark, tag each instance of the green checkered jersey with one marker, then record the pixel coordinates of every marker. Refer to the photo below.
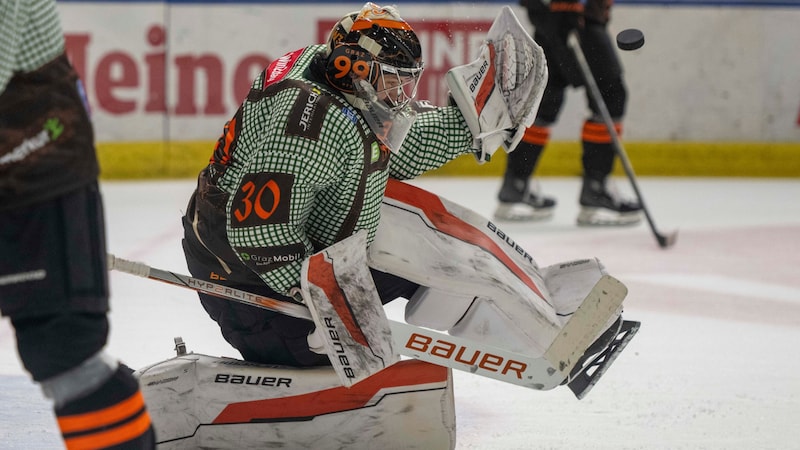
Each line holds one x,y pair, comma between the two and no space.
30,36
46,137
302,169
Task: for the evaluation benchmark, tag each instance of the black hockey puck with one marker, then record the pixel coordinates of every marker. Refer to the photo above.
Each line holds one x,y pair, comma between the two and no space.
630,39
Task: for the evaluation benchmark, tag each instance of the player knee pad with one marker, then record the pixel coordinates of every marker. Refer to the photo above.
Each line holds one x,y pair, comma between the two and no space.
51,345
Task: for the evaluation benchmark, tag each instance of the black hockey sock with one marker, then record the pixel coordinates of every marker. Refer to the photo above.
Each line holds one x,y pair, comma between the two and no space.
523,160
112,417
598,160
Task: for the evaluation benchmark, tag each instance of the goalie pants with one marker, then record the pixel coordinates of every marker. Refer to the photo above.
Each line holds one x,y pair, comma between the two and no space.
54,288
260,335
564,71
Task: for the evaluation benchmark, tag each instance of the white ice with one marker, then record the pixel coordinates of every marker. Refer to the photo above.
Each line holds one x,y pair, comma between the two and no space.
714,366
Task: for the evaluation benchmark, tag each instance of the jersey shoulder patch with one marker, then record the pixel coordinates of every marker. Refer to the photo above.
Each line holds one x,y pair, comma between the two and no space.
308,112
279,68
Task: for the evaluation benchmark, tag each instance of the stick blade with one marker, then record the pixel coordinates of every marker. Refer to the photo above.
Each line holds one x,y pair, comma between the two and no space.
667,240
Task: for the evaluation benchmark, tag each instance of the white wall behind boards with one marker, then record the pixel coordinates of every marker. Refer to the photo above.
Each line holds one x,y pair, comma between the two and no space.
178,71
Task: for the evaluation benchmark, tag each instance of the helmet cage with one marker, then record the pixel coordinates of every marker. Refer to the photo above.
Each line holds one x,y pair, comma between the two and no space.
375,45
395,86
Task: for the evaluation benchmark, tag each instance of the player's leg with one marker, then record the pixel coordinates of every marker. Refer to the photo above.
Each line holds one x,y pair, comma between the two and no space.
61,324
518,199
600,205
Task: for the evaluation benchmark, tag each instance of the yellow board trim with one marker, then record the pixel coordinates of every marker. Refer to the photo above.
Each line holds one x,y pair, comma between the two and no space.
158,160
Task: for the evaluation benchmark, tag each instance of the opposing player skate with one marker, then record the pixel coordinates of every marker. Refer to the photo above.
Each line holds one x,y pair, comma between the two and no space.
519,201
601,207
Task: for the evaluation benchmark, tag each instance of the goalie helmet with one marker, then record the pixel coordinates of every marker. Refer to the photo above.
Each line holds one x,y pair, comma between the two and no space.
376,45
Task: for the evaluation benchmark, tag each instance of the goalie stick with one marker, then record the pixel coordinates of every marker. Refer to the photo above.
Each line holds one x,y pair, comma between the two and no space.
538,373
664,240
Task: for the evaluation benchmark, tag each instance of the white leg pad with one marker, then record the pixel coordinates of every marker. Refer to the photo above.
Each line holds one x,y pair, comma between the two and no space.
436,309
486,321
568,283
201,401
477,318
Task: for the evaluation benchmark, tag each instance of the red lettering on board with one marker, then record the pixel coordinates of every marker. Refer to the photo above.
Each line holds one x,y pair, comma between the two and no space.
204,84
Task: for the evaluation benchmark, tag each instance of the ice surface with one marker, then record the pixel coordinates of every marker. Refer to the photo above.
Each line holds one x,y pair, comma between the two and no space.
714,365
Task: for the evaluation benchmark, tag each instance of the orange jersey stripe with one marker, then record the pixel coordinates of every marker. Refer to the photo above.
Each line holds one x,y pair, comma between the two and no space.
114,436
103,417
536,135
229,135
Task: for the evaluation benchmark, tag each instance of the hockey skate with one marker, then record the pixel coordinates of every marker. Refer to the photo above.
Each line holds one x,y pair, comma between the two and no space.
599,207
520,202
599,356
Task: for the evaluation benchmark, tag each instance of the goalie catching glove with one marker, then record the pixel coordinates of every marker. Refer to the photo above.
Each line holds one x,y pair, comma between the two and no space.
499,93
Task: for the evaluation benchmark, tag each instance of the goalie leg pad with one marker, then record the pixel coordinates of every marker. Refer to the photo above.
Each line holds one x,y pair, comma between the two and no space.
568,283
436,309
201,401
471,318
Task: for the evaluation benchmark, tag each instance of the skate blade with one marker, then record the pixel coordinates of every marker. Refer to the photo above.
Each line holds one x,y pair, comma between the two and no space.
520,212
582,383
601,217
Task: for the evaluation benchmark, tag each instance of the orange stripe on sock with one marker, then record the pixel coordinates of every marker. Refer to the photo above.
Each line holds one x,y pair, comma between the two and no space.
114,436
574,7
536,135
103,417
597,133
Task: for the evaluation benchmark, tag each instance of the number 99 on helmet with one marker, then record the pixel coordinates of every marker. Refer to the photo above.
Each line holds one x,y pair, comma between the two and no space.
376,45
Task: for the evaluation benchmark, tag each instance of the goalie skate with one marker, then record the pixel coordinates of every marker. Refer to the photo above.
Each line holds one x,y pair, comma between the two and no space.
599,357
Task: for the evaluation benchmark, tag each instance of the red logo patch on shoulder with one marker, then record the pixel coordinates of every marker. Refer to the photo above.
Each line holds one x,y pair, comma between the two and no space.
280,67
